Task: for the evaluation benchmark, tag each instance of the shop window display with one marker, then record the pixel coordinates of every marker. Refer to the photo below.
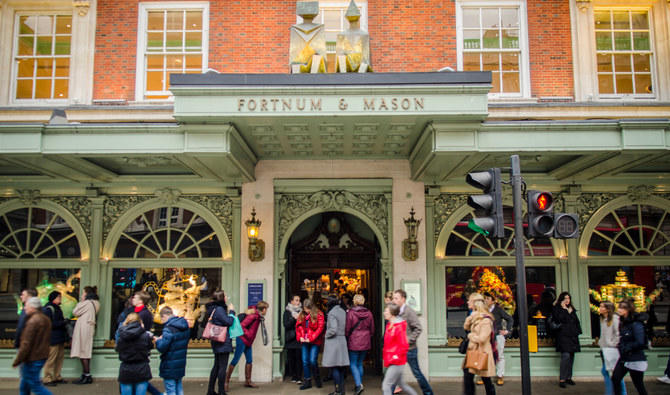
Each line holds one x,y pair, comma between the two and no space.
500,282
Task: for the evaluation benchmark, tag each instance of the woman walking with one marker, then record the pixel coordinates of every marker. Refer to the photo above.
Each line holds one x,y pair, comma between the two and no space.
309,330
291,344
479,324
395,350
632,343
255,317
608,341
359,331
565,324
218,311
335,354
84,329
134,344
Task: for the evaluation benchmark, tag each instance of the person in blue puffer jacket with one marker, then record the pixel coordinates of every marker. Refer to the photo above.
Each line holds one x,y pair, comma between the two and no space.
173,345
221,313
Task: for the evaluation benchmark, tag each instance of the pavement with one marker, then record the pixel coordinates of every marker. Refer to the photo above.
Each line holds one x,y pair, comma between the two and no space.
539,386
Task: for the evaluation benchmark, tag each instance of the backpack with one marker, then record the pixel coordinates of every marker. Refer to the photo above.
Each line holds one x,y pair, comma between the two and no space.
241,317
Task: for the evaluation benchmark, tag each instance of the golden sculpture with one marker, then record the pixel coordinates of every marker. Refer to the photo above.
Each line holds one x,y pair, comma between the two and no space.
184,302
308,41
353,45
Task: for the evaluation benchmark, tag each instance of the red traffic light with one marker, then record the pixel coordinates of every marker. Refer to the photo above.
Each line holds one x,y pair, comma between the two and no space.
543,201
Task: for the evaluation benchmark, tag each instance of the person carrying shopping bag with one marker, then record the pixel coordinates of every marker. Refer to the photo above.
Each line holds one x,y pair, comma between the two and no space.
480,324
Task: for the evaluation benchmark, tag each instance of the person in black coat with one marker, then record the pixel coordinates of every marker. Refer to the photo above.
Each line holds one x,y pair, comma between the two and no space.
140,301
173,346
632,342
134,345
566,326
291,344
219,313
59,336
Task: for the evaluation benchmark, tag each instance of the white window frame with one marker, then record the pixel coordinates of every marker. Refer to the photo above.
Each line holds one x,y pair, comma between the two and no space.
524,61
144,8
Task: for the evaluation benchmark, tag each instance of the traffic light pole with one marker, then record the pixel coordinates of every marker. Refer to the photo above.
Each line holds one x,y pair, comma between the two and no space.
521,304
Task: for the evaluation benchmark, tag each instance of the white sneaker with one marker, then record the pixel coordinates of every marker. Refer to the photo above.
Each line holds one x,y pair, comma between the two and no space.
664,379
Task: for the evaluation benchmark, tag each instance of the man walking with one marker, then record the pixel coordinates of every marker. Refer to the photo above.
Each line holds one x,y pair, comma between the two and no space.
33,348
413,332
25,295
499,315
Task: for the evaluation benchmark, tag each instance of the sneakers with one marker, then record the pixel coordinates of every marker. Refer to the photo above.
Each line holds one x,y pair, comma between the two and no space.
664,379
397,390
358,390
500,381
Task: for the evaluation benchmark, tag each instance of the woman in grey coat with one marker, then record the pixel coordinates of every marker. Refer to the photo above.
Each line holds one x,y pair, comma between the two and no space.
335,352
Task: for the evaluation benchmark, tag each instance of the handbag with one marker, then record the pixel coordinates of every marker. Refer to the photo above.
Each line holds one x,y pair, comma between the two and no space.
235,330
69,326
214,332
476,359
463,347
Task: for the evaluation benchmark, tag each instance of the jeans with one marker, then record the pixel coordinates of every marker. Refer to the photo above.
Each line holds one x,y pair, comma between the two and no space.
356,363
609,389
567,360
153,390
173,387
240,348
30,378
469,384
310,352
134,388
393,378
413,362
338,376
617,378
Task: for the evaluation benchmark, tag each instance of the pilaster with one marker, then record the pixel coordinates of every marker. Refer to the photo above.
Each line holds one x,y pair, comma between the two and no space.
98,273
437,325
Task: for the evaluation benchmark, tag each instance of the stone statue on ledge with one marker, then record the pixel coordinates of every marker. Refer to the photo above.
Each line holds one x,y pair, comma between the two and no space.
308,41
353,45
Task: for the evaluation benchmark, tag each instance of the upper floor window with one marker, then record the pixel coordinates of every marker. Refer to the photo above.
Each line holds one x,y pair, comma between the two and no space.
173,38
624,52
492,38
42,55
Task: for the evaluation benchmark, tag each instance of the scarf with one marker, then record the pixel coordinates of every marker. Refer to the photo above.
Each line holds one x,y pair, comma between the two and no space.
295,310
264,332
139,308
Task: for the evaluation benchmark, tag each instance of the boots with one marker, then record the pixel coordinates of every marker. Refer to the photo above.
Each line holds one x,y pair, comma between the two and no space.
306,384
247,376
317,377
229,374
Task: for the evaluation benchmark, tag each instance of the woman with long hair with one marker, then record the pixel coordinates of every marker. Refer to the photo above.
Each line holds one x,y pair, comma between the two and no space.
309,330
360,331
134,346
335,354
479,324
291,344
218,312
632,343
565,324
608,341
84,329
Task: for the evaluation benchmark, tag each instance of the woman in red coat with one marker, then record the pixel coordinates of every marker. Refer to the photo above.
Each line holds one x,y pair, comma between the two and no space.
395,351
309,331
255,317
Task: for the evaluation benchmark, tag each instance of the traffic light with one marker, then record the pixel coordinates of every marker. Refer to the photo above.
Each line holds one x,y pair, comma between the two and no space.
540,214
566,226
491,223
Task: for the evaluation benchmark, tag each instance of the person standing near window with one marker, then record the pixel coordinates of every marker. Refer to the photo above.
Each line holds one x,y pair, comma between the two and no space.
173,346
608,341
335,353
218,311
502,330
82,338
291,344
59,337
360,331
134,345
566,325
309,330
631,347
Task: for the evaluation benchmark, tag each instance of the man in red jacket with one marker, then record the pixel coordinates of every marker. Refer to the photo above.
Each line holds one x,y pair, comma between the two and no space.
254,319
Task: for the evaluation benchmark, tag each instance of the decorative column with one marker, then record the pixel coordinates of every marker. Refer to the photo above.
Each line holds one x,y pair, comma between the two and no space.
437,324
98,269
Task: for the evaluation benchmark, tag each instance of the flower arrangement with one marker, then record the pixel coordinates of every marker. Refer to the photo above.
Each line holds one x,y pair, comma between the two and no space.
492,280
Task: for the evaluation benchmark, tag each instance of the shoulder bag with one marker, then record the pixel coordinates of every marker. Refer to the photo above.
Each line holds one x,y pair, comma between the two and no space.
214,332
235,329
476,359
463,347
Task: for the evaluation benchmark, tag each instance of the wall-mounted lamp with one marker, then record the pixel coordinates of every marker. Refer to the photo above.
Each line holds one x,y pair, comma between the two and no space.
410,247
256,245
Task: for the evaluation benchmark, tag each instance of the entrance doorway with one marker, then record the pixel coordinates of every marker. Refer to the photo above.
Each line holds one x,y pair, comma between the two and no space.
335,252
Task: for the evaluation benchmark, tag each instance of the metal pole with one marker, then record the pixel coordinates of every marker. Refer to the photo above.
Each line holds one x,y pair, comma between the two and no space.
520,276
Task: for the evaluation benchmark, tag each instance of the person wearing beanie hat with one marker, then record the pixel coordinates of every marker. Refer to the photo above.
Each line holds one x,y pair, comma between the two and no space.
59,336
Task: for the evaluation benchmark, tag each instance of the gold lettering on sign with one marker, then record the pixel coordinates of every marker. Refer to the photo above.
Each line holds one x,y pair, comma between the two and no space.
286,104
317,104
369,105
300,106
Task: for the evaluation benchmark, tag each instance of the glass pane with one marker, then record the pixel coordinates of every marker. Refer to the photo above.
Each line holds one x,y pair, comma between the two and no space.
155,20
490,19
620,20
154,41
622,41
44,67
643,84
194,62
173,41
26,67
510,61
622,63
495,76
63,24
62,45
511,82
43,89
24,89
641,41
44,45
470,18
510,38
193,20
331,18
605,63
490,61
60,88
45,24
173,61
640,19
154,80
603,41
624,83
602,19
26,45
194,41
175,20
510,18
471,62
491,39
27,24
642,63
470,39
155,62
605,84
62,67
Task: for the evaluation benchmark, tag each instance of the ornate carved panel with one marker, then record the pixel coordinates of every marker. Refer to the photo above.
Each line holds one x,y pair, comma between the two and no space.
445,205
80,207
